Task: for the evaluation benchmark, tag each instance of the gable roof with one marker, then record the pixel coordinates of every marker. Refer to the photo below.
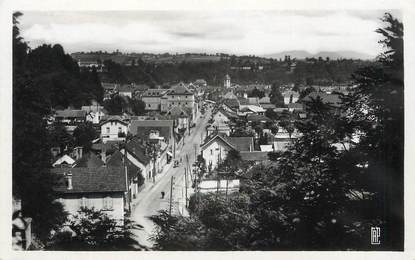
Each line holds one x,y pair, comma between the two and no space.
138,151
66,159
154,92
91,180
117,160
113,118
290,92
230,95
236,143
89,160
179,89
142,128
177,111
232,103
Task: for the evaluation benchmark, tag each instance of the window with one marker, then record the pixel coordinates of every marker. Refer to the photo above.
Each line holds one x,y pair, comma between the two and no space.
107,203
119,129
83,202
211,151
108,130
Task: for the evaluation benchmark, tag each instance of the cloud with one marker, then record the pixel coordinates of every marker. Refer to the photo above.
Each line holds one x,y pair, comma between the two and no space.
236,32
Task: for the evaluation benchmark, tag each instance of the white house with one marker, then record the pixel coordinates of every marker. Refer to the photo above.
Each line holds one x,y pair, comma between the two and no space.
215,149
94,113
290,97
114,129
102,188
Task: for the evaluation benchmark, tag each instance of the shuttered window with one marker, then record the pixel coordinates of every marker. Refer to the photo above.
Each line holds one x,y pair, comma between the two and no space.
108,203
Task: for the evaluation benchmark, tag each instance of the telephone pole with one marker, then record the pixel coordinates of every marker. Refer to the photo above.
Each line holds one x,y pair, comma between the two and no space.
171,195
185,185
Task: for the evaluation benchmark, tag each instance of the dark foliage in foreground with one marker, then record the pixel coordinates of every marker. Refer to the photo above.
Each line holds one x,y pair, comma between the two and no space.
92,230
315,196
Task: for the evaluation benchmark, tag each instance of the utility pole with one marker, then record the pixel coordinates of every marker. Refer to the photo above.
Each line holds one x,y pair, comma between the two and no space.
171,195
185,186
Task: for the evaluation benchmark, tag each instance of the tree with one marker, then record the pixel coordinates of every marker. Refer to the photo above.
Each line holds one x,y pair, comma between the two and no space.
115,105
276,97
32,181
84,134
93,230
60,137
137,106
376,110
257,93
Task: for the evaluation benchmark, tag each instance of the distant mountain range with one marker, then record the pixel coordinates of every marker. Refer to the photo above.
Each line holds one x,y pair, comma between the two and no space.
300,54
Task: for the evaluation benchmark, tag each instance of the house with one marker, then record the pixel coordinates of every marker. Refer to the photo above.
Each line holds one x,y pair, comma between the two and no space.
114,129
230,95
126,90
215,148
250,109
290,96
152,98
295,107
94,113
265,103
71,118
180,95
200,83
255,119
137,155
110,89
103,188
91,65
164,128
89,160
221,122
180,117
231,105
64,161
135,175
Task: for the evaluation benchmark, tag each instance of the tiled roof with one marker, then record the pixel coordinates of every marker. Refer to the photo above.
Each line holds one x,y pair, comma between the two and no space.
138,151
88,180
89,160
70,113
242,143
232,103
110,118
237,143
177,111
117,160
179,89
230,95
154,92
265,100
142,128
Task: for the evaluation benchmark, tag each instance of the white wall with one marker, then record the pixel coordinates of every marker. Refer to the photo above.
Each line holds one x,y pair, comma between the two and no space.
213,152
111,134
72,203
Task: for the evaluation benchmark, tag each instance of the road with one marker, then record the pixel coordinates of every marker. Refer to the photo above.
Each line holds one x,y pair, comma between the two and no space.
149,201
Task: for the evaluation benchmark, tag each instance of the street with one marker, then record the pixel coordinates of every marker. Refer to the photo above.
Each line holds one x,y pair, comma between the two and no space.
149,201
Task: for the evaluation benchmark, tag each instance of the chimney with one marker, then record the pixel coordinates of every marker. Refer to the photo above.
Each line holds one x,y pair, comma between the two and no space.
69,181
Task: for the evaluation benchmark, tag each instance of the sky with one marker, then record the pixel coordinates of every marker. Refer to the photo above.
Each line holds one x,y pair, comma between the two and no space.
233,32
